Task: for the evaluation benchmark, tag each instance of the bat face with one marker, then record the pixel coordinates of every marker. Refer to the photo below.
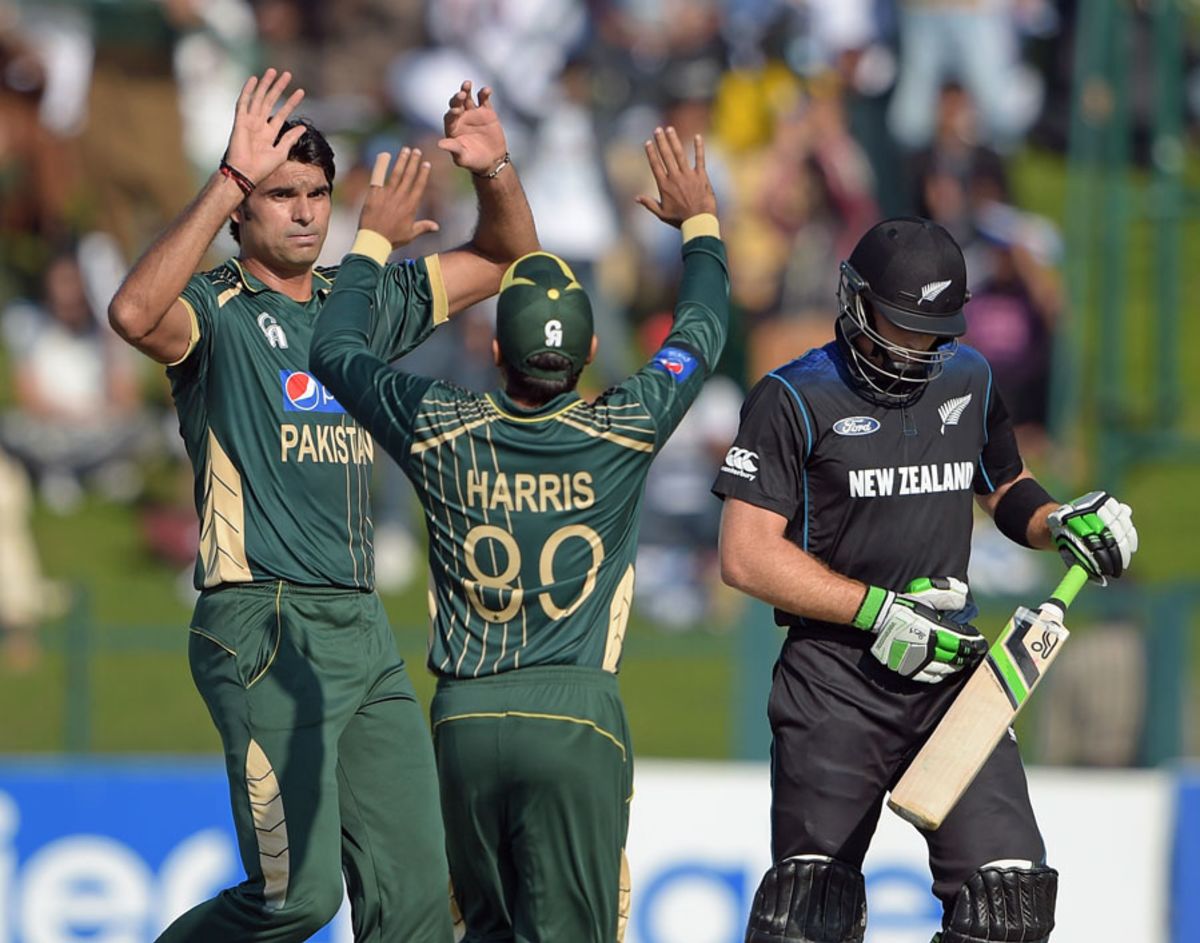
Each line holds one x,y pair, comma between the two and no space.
984,709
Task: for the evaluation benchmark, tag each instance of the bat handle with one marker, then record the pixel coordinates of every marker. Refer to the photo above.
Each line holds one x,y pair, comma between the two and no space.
1065,592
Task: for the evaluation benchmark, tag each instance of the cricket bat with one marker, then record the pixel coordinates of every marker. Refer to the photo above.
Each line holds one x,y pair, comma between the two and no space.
985,708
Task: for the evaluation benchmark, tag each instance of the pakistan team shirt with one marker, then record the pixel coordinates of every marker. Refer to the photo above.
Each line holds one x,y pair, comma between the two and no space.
281,470
881,494
532,514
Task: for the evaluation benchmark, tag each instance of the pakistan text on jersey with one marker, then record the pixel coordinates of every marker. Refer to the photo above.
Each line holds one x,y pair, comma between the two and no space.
318,442
911,479
526,492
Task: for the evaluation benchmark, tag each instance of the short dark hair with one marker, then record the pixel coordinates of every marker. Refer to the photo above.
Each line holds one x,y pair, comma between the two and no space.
312,148
537,390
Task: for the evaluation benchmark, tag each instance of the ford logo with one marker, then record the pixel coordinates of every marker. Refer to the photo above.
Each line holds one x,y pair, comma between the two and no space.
856,425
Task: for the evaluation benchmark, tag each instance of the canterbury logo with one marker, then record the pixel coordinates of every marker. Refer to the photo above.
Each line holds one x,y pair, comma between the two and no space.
741,462
932,290
273,332
951,410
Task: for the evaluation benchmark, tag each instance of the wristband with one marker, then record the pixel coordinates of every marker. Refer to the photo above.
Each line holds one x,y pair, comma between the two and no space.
873,602
373,245
702,224
245,184
495,171
1017,507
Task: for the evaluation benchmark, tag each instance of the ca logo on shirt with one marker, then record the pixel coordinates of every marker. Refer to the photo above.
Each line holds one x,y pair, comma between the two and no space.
272,331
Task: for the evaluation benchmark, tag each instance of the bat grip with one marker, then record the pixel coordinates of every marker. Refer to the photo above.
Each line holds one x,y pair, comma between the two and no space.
1065,592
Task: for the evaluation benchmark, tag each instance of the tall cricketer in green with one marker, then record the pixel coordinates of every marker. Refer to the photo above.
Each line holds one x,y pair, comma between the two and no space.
330,767
532,498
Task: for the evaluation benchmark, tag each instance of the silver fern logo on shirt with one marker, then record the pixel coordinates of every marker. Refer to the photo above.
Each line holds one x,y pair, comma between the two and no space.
951,411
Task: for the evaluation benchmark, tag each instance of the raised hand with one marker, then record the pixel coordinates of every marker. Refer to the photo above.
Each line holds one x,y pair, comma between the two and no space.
474,135
683,191
393,199
254,150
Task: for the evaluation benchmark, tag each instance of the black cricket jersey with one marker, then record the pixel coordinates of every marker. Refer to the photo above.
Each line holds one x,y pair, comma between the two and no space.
879,493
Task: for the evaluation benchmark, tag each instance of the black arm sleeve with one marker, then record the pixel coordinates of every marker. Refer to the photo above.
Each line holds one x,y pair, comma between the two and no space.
1000,461
765,465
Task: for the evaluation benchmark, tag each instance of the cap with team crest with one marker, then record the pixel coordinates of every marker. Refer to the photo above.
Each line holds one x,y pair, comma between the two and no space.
542,308
915,275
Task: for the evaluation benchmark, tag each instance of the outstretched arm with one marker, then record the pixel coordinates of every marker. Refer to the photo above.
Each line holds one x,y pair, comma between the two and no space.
505,232
146,310
341,356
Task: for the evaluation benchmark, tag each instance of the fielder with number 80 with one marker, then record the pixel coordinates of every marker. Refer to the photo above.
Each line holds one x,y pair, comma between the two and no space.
531,498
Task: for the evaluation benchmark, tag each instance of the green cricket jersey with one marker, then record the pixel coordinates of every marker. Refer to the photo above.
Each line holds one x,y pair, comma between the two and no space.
533,515
281,470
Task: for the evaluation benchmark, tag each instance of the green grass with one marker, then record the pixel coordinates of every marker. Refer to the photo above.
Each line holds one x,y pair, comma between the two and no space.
139,695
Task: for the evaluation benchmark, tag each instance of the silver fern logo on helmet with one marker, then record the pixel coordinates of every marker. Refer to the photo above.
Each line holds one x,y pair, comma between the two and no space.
932,290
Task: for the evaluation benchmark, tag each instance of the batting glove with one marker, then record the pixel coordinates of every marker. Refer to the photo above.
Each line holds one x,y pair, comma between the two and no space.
943,593
915,640
1097,532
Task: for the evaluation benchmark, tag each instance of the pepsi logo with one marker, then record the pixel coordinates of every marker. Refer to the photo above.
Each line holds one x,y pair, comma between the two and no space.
303,391
677,362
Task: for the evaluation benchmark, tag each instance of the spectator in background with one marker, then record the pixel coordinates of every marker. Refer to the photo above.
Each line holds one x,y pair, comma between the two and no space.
133,144
817,193
956,172
26,598
970,41
1011,317
77,415
36,172
677,554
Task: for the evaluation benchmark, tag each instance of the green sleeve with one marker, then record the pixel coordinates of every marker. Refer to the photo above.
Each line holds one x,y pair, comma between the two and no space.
200,298
673,378
410,299
384,401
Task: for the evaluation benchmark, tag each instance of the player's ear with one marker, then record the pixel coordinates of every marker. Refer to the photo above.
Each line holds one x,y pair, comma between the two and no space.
496,358
592,353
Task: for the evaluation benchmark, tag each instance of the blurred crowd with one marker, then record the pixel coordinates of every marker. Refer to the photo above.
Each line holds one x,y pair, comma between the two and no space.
819,116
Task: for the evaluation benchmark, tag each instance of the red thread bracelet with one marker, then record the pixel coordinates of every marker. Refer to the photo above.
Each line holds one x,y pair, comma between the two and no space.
245,184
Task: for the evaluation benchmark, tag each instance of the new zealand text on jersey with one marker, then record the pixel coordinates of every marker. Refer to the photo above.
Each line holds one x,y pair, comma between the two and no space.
911,479
319,442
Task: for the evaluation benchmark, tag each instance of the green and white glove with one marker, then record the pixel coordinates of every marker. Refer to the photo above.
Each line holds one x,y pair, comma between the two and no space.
914,639
943,593
1097,532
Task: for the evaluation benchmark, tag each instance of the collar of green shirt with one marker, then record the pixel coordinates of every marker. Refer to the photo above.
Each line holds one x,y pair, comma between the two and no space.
510,410
254,285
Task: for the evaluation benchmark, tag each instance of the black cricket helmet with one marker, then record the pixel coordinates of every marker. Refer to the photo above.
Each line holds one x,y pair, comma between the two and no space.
910,271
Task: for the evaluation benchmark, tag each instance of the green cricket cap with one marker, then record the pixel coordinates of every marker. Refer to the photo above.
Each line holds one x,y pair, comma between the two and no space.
542,308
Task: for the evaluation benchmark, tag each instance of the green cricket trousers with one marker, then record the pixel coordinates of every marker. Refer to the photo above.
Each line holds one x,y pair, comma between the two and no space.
330,769
536,772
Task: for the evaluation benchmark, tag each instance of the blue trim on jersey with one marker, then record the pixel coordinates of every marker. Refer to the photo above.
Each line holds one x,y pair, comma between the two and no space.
987,405
807,447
